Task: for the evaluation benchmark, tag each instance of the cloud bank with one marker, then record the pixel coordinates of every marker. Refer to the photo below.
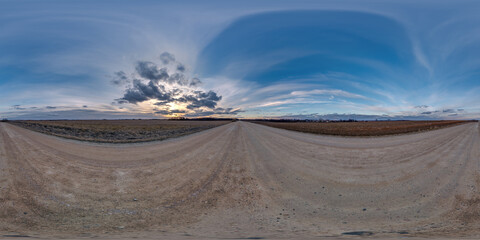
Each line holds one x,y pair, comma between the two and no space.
169,89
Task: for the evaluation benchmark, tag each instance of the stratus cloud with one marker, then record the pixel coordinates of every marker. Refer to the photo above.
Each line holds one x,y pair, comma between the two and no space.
170,85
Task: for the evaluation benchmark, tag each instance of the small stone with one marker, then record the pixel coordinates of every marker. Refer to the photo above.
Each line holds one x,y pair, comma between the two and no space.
134,199
25,213
121,227
364,209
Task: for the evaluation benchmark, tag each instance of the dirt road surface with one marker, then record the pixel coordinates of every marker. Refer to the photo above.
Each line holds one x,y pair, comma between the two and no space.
242,180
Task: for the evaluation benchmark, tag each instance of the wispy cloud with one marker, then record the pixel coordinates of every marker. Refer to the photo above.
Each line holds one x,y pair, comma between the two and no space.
330,92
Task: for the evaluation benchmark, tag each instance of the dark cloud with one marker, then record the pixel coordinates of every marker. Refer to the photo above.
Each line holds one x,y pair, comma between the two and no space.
119,101
181,67
150,71
422,106
161,84
169,112
176,91
195,82
201,99
141,92
167,57
163,112
430,112
161,103
178,78
50,107
199,112
120,78
18,107
85,106
448,110
177,111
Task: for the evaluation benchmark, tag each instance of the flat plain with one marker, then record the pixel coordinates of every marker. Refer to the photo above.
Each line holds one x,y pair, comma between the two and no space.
118,131
362,128
243,181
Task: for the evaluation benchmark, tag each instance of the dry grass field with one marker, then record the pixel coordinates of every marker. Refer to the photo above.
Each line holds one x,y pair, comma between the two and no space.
370,128
118,131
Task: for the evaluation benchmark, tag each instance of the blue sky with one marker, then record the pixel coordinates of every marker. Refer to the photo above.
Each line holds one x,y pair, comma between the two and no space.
298,59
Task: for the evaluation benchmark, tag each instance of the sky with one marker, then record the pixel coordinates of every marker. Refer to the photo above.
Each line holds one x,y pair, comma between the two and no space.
341,59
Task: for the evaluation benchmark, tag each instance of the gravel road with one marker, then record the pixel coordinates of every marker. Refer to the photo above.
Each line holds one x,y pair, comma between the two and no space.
242,180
